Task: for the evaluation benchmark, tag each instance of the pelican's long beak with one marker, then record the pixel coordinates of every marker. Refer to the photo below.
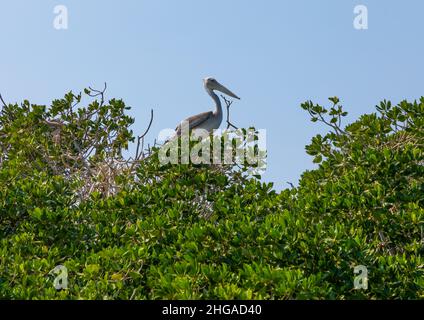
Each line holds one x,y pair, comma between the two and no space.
226,91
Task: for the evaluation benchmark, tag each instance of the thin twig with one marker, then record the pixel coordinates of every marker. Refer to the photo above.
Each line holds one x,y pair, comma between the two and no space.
150,124
140,139
228,104
4,103
290,184
100,93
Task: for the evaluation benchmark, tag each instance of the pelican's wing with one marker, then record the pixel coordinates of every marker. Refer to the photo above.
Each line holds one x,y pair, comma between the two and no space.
195,121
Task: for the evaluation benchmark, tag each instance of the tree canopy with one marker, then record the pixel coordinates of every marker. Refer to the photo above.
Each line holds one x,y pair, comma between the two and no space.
135,229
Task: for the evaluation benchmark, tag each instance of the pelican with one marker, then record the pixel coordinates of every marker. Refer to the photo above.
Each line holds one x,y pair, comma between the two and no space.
212,119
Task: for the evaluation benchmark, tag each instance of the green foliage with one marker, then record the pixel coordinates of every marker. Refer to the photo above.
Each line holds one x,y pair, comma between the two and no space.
209,232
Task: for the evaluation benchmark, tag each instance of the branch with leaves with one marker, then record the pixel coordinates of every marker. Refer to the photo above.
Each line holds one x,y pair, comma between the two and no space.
335,114
83,143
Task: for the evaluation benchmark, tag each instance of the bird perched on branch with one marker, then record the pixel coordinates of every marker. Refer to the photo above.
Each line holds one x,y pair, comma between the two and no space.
212,119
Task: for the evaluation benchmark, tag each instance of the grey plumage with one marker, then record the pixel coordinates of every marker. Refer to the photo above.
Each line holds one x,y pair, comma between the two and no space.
212,119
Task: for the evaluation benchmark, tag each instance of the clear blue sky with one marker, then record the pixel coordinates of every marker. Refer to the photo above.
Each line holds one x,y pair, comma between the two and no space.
273,54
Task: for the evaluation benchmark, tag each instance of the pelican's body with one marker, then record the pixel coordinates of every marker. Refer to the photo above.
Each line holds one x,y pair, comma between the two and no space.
210,120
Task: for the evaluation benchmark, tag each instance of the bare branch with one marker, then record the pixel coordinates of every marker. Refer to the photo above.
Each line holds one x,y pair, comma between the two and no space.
1,99
150,124
100,93
290,184
54,123
140,139
228,104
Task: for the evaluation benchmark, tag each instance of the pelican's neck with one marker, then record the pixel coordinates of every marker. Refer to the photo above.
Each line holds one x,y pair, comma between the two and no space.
218,110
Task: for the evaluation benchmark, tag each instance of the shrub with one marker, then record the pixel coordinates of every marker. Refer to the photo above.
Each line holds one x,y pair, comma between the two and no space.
151,232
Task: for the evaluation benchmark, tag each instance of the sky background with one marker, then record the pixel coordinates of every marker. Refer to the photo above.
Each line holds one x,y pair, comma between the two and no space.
274,54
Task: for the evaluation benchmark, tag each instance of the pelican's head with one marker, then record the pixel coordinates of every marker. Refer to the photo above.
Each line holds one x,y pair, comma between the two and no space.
211,84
